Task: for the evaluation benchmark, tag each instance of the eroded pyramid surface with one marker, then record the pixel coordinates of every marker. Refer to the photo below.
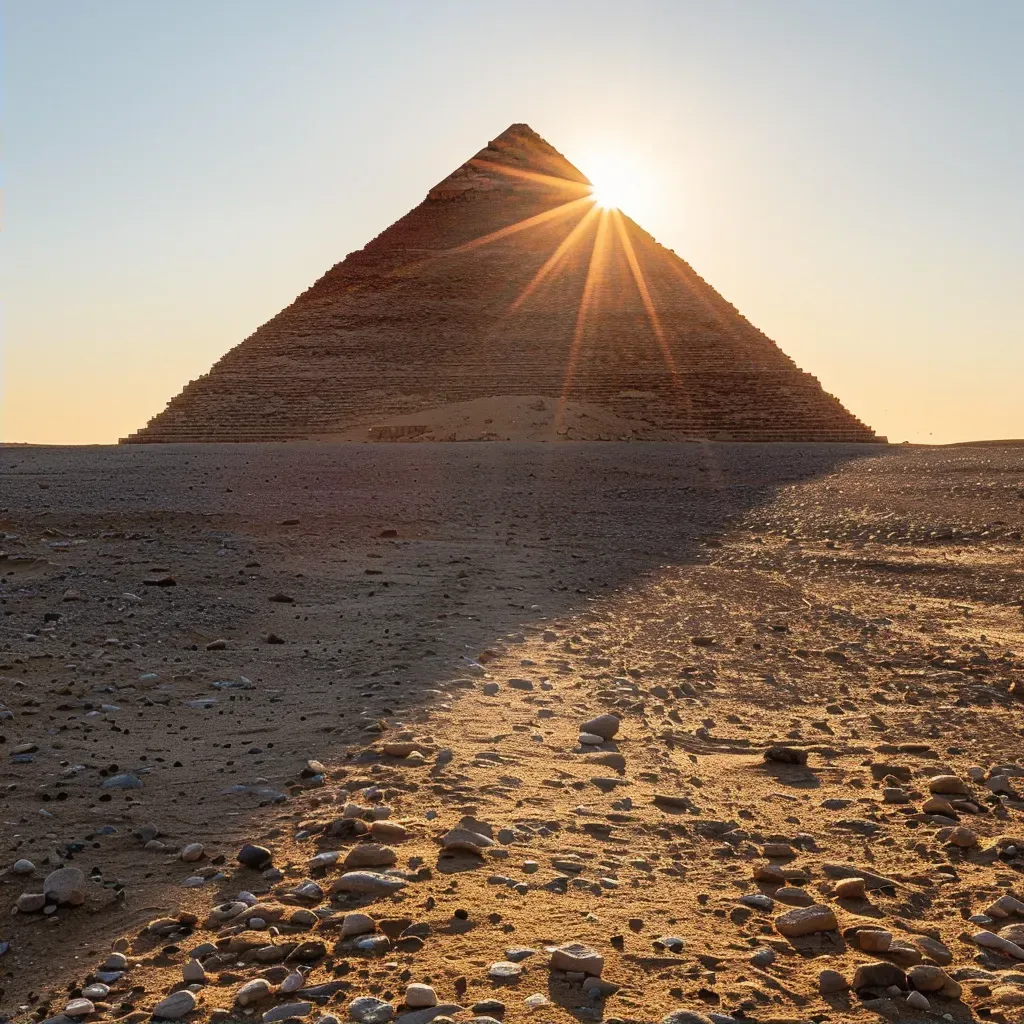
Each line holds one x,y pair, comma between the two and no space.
508,280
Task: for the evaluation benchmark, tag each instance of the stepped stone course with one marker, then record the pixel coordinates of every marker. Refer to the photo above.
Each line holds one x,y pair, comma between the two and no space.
507,280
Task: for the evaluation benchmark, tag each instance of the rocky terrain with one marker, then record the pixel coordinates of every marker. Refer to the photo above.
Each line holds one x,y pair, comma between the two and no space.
498,732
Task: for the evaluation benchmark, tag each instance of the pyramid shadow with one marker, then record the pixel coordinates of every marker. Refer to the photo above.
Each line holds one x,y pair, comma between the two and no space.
494,541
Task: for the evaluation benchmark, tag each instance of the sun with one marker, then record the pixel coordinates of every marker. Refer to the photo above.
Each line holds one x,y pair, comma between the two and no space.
614,184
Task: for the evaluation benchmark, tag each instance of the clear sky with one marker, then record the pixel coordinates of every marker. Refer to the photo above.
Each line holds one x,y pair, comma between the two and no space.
850,175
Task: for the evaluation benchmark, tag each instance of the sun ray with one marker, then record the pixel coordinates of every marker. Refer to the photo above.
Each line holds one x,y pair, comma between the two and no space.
590,288
652,313
537,177
555,258
645,294
561,210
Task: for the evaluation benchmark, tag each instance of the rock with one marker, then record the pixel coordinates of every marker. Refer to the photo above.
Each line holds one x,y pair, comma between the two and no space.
939,805
79,1008
960,836
23,867
192,852
686,1017
948,785
369,1010
417,995
30,902
65,885
926,978
126,780
831,982
465,839
604,726
873,940
782,754
589,739
878,975
357,924
193,971
254,991
256,857
805,921
871,880
292,983
934,949
918,1001
1005,906
442,1013
992,941
96,991
286,1010
575,956
850,888
503,970
389,831
370,855
175,1006
367,883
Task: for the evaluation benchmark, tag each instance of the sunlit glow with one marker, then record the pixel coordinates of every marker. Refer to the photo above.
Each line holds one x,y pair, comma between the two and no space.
615,185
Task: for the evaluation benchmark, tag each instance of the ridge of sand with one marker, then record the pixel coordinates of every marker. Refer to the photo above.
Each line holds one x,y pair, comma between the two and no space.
504,418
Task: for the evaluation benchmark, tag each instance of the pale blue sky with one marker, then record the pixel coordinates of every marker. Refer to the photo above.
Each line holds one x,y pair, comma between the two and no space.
849,175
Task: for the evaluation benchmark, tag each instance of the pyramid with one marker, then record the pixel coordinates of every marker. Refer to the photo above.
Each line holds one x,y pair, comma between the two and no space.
507,280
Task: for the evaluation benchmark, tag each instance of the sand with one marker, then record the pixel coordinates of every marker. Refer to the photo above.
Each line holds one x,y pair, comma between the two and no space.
848,601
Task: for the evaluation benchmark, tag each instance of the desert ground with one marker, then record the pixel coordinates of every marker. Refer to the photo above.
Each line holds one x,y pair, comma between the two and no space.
744,721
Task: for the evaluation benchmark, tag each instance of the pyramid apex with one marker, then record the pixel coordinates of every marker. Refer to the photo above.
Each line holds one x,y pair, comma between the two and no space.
518,161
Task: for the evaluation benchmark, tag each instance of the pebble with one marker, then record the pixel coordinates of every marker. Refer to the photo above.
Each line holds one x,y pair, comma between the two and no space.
126,780
418,994
286,1010
255,857
253,992
948,785
806,921
193,971
831,982
603,726
357,924
370,855
175,1006
192,852
465,839
79,1008
65,885
367,883
878,975
850,888
30,902
369,1010
23,867
504,969
575,956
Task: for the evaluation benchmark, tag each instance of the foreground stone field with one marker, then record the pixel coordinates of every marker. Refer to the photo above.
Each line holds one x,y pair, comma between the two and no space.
375,662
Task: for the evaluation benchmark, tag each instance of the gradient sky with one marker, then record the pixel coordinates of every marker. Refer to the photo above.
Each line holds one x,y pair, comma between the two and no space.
849,175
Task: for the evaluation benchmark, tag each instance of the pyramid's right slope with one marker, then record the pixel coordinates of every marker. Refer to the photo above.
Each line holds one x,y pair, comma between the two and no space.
508,280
